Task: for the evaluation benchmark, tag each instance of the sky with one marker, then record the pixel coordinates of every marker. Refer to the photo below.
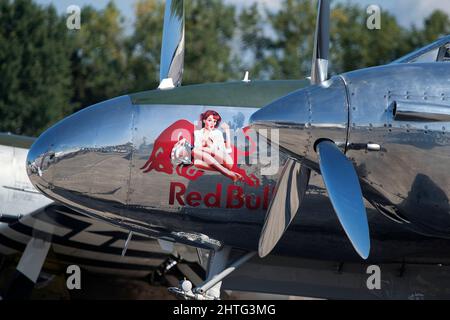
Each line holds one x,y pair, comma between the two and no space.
407,11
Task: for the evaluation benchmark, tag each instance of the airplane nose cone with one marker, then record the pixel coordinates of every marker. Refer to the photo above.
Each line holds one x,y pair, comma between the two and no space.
305,116
85,156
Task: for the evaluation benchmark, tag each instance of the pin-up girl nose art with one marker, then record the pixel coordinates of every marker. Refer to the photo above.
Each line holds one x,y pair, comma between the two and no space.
189,152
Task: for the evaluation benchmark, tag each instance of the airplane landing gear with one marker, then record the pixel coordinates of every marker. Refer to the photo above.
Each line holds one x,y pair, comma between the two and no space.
158,276
217,271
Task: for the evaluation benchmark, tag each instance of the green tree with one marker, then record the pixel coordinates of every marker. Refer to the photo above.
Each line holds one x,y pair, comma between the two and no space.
435,26
98,59
47,71
35,72
210,27
254,43
144,45
287,52
354,46
293,26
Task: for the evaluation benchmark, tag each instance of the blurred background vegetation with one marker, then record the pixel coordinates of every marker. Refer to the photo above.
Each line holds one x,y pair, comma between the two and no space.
48,72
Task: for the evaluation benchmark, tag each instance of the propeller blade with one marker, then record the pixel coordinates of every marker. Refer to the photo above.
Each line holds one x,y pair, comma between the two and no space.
343,188
288,196
319,69
172,52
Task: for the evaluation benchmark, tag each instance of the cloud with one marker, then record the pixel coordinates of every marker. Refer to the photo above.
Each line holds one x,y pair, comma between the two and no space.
422,9
270,4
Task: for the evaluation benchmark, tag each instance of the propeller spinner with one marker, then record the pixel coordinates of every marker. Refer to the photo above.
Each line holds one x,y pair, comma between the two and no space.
319,113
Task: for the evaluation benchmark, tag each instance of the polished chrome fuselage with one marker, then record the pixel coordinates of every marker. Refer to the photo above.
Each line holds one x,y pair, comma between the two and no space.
407,176
76,238
93,160
410,176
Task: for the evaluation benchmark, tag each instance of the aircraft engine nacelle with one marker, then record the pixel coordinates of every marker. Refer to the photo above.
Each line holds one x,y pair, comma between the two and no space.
138,165
392,122
84,160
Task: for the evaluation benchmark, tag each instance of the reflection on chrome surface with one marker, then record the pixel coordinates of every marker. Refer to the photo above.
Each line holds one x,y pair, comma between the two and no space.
92,160
87,154
407,175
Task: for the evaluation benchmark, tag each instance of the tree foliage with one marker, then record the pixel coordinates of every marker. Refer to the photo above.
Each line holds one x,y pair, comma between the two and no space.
284,51
48,72
144,45
35,85
435,26
210,26
354,46
98,59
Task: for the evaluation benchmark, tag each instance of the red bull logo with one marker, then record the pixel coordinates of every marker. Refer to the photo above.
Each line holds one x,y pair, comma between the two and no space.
160,159
235,197
189,152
